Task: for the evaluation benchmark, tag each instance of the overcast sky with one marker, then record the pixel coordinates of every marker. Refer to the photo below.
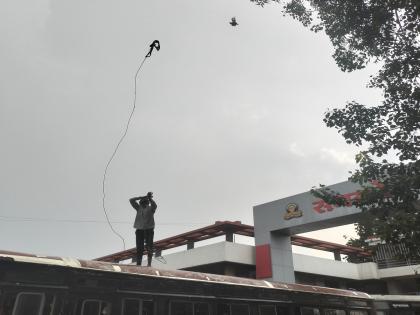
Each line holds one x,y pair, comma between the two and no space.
227,118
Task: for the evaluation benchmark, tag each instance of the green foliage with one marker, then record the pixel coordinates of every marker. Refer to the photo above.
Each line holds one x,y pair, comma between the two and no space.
386,33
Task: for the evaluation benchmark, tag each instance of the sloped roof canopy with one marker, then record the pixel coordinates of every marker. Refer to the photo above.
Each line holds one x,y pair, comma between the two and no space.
228,228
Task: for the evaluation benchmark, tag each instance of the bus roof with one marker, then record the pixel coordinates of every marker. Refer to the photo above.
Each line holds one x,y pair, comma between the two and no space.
172,274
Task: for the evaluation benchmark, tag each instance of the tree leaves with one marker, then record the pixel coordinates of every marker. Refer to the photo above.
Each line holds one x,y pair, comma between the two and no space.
387,33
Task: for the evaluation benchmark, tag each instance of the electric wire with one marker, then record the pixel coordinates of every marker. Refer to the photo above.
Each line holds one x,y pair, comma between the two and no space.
115,152
60,220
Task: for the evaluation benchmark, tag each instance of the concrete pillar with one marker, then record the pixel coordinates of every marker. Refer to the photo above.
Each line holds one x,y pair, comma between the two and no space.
229,237
282,258
337,255
274,257
190,245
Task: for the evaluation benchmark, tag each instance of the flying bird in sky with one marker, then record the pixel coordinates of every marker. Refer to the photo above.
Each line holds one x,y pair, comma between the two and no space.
233,22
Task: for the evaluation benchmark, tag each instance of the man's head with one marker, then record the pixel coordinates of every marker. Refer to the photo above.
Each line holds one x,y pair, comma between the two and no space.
144,202
150,195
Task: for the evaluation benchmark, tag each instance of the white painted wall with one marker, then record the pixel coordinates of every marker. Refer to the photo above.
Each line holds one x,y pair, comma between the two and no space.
245,254
399,271
325,267
218,252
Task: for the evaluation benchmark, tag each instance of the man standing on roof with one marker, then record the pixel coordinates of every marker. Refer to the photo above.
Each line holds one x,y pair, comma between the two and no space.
144,225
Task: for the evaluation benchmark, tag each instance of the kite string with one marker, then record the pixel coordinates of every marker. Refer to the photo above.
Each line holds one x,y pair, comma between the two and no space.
115,152
160,259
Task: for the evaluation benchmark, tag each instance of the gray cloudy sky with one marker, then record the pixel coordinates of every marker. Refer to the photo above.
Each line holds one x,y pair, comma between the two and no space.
226,117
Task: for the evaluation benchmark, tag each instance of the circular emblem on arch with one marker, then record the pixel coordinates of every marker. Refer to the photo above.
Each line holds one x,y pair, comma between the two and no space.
292,211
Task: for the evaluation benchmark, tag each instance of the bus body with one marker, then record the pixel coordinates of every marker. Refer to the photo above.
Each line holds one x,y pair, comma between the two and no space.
34,285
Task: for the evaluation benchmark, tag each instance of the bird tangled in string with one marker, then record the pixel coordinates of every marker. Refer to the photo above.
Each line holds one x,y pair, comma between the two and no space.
233,22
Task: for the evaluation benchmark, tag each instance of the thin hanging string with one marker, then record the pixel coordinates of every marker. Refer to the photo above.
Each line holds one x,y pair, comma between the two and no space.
160,259
115,152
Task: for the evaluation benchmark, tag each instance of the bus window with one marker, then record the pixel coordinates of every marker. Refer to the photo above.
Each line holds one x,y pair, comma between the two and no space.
91,307
95,307
361,313
223,309
381,305
181,308
240,309
201,309
281,310
334,312
267,310
50,302
8,303
105,308
137,307
29,303
309,311
131,307
147,308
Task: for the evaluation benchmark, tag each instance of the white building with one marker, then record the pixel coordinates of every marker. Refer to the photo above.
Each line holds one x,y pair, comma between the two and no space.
276,226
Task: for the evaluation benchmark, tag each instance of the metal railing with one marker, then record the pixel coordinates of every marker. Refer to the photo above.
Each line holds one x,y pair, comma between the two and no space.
394,255
395,262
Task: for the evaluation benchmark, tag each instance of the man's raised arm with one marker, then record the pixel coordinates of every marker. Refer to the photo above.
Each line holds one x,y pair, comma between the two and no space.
134,203
153,204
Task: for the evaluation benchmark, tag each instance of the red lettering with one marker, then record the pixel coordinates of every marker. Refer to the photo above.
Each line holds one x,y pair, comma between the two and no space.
350,197
321,206
377,184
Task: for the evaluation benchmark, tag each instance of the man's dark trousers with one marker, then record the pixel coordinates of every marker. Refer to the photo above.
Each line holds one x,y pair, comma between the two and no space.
141,237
